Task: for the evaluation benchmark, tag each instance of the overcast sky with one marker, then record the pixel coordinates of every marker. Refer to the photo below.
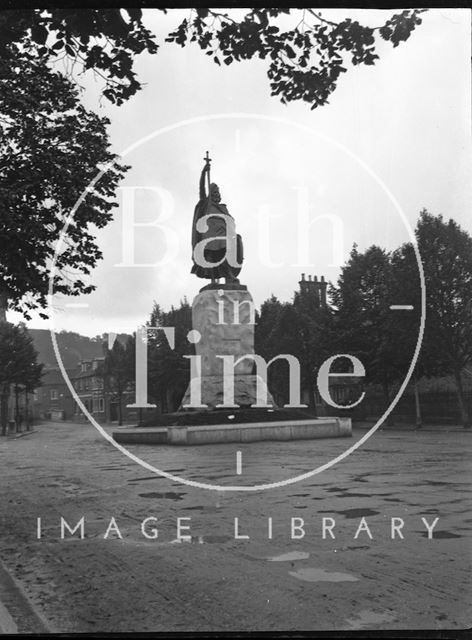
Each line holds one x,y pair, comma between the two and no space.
394,137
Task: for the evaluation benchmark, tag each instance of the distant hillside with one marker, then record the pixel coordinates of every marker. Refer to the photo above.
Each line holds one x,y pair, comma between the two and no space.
72,346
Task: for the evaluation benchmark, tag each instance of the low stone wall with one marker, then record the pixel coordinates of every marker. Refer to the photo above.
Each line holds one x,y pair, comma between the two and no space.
252,432
146,435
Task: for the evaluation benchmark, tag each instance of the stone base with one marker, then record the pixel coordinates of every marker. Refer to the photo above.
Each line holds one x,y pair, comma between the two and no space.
252,432
224,317
212,393
140,435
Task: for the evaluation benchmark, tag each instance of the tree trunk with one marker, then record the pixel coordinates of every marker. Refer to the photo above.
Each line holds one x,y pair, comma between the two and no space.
27,416
311,396
4,396
169,400
5,389
3,306
419,421
465,419
17,408
120,409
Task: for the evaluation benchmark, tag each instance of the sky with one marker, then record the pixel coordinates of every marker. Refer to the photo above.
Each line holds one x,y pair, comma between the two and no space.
394,139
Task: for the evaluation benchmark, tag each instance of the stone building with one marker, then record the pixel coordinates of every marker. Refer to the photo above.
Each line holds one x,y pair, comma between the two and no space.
100,402
53,399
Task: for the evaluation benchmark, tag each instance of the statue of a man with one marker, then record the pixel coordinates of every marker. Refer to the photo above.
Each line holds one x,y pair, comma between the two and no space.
216,250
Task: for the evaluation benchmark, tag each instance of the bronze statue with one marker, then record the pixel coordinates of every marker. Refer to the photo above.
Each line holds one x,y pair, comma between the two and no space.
216,250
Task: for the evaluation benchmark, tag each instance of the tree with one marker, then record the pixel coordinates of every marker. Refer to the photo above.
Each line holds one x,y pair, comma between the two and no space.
406,290
305,61
51,148
446,254
117,371
385,340
105,40
282,338
18,365
168,369
300,328
364,323
316,338
266,320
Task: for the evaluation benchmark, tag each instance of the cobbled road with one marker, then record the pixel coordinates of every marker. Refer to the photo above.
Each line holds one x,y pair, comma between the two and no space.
269,577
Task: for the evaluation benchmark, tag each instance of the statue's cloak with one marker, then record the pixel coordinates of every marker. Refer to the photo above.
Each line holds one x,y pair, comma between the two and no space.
216,249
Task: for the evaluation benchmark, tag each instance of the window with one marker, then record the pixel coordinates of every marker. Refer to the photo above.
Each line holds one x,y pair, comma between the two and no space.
101,405
54,395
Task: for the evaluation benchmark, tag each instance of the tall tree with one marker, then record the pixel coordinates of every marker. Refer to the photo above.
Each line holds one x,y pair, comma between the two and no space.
117,371
169,370
315,335
300,328
305,60
266,320
283,338
51,148
446,253
267,343
18,365
406,290
364,323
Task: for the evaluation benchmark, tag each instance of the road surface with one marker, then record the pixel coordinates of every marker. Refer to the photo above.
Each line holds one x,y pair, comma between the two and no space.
272,579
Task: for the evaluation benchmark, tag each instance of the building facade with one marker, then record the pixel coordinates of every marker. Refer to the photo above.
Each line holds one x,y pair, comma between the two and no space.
99,400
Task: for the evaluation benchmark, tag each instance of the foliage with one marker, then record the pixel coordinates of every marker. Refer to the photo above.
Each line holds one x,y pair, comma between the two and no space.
406,290
50,150
105,40
446,254
277,333
18,357
168,370
266,321
300,328
384,340
365,325
117,371
306,61
18,364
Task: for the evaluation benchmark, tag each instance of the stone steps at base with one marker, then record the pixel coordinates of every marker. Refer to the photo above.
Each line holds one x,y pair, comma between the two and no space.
248,432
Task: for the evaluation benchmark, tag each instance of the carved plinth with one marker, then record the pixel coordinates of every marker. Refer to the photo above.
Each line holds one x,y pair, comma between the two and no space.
225,320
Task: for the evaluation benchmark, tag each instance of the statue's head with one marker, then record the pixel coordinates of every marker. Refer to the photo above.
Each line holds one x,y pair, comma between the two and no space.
215,193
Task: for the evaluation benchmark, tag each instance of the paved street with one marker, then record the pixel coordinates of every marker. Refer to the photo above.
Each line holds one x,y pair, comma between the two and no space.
214,581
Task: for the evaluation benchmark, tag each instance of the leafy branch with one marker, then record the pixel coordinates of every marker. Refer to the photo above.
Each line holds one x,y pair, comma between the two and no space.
305,63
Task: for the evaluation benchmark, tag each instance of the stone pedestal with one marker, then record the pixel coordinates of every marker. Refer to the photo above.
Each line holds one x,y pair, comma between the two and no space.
225,320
